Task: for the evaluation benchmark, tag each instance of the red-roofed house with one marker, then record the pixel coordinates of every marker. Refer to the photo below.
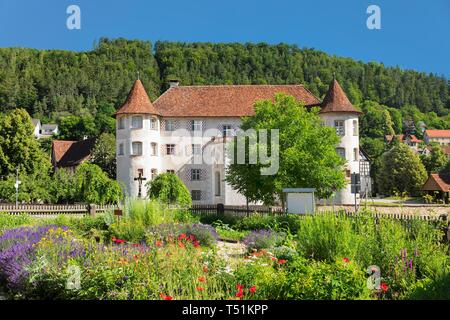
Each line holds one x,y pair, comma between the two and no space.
188,122
442,137
70,154
438,183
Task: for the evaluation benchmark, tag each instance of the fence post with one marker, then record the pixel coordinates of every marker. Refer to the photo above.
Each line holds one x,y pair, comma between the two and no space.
220,209
91,208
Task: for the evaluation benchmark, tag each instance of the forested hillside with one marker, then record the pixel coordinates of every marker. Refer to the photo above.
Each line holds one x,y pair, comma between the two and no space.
51,84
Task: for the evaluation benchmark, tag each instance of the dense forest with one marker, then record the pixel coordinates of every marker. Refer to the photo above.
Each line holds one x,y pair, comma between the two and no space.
50,84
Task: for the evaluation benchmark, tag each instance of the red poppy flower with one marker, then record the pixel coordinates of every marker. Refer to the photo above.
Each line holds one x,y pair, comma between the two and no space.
240,287
240,294
346,260
158,243
200,289
196,244
252,289
201,279
384,287
165,297
281,261
274,259
205,269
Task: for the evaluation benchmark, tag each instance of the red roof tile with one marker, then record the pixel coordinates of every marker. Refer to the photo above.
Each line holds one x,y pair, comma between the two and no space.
72,153
224,100
402,137
438,133
336,101
59,148
137,101
437,182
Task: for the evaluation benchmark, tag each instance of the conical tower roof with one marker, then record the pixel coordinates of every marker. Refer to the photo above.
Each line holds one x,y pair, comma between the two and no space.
336,100
137,101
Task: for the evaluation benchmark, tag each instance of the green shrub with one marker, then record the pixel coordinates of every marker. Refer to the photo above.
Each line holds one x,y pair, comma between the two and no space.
168,188
8,221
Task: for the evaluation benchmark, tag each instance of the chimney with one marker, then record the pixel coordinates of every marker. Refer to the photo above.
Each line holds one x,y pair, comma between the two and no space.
174,83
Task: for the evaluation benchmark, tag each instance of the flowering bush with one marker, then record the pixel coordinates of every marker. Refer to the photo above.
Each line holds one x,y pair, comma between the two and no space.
202,234
262,239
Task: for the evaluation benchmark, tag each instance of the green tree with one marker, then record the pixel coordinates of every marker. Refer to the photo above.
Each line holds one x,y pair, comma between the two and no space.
104,120
376,121
92,185
168,188
436,160
307,153
76,128
18,147
104,154
400,171
62,186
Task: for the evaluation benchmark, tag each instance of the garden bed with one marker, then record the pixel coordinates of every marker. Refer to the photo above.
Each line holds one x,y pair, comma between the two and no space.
154,252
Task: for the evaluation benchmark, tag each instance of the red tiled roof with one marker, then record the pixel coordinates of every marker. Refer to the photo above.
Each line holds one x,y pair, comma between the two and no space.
137,101
59,148
438,133
224,100
72,153
336,100
446,149
402,138
437,182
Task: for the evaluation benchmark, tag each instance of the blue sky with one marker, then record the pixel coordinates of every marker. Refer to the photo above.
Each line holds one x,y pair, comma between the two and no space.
414,34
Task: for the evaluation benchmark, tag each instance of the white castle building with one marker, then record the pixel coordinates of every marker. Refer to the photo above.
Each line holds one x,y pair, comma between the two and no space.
174,132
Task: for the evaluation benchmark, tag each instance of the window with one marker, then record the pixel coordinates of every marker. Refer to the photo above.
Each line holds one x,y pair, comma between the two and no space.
121,124
196,149
355,154
340,127
355,128
153,124
154,173
136,148
170,149
169,125
120,152
196,125
341,152
136,122
196,195
227,130
170,171
218,182
195,174
154,149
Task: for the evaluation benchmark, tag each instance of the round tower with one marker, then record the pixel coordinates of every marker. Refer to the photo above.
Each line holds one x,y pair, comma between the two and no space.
338,112
137,139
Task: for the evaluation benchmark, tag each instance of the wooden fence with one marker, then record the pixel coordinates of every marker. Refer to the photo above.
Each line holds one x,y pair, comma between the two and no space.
218,209
44,210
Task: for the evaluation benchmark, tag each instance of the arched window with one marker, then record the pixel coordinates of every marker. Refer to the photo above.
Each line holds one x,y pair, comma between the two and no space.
355,154
341,152
136,122
153,124
218,184
121,124
136,148
154,149
355,128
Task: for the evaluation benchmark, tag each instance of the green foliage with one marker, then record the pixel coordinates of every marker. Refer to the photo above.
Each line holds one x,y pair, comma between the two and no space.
376,121
92,185
76,127
435,161
18,147
168,188
234,63
307,154
8,221
400,170
104,154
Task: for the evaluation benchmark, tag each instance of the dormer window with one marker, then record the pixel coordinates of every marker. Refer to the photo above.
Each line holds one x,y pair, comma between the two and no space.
136,122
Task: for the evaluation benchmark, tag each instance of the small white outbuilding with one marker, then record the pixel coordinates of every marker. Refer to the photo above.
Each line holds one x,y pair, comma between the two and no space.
300,200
